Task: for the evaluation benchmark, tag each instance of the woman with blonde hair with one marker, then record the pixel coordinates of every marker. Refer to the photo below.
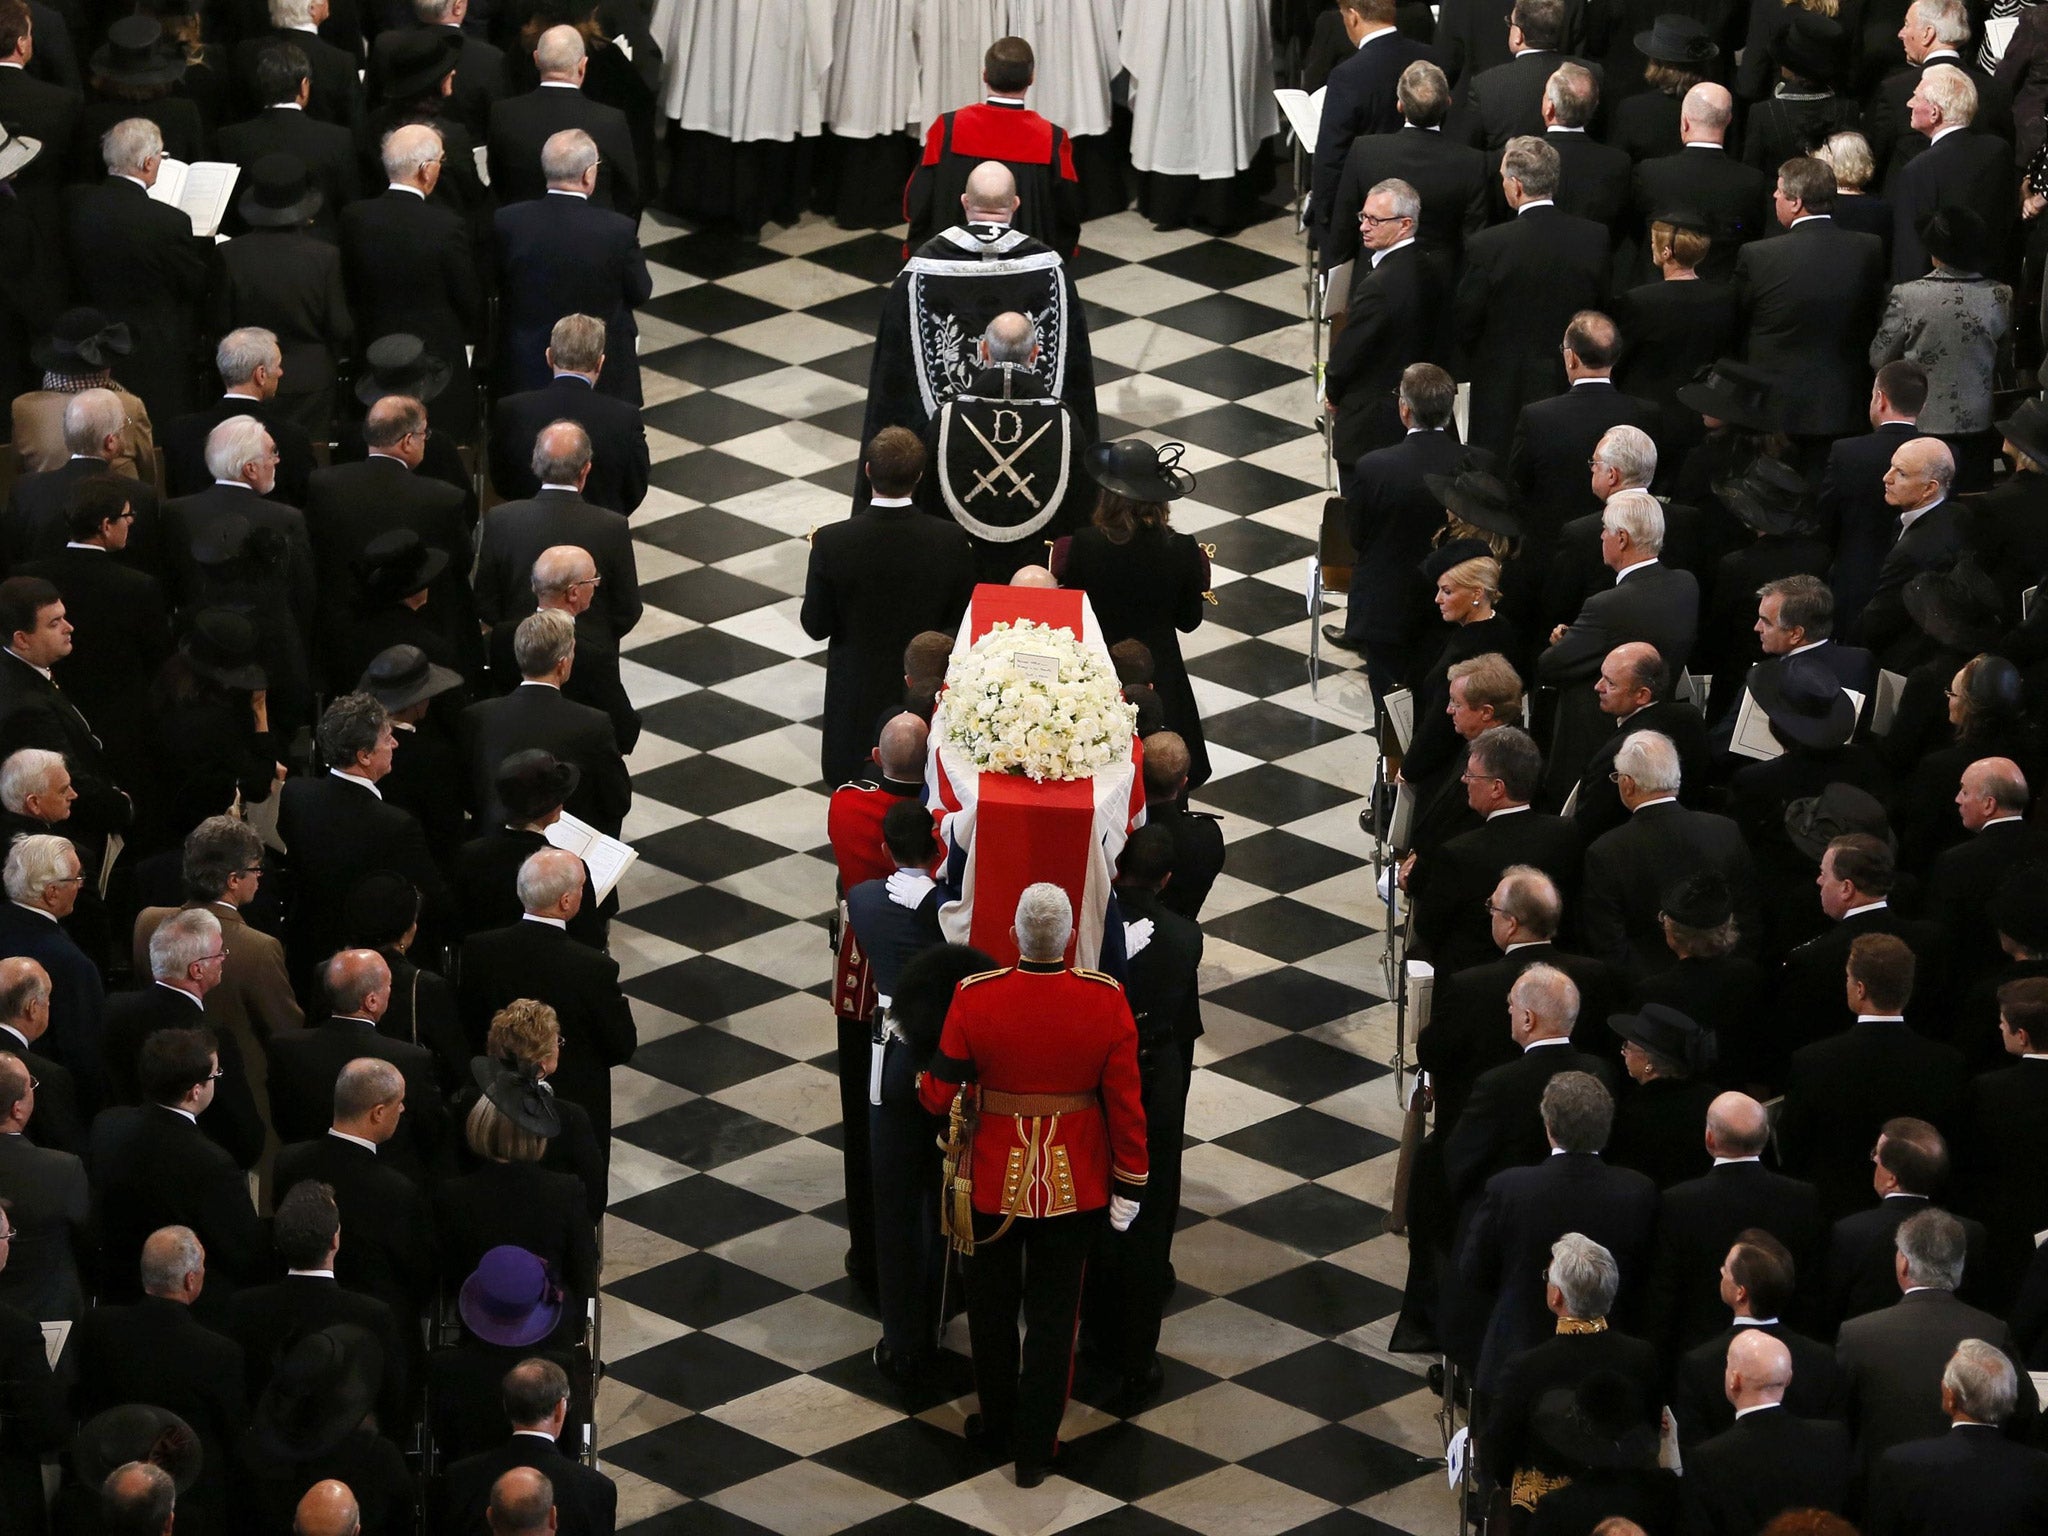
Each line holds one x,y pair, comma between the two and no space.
1467,577
1856,207
526,1038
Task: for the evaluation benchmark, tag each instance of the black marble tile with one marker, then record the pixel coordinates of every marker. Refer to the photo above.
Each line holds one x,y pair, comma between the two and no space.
1284,928
1307,1142
706,719
706,656
1321,1298
711,309
704,1060
1268,793
705,988
1293,999
696,1518
711,254
1229,373
1261,669
1339,1464
706,785
1252,547
699,1211
1316,1220
700,1289
699,1455
708,594
874,257
1220,264
909,1458
1130,1463
1101,317
1253,607
1240,487
1234,429
708,363
860,311
846,420
853,365
704,1133
910,1520
1296,1068
1330,1381
709,417
1128,1521
1272,860
706,534
708,475
1222,317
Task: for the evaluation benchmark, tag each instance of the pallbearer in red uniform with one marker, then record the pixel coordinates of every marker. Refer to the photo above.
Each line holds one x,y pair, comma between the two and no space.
853,824
1048,1139
1038,153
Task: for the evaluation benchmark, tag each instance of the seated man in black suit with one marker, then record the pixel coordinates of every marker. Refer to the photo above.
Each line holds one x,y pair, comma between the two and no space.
1449,887
306,1064
536,1396
251,367
1767,1461
539,714
1702,1217
1972,1478
1795,616
618,440
58,1125
390,1249
1909,1168
1524,1210
1891,1360
1854,514
1992,801
1758,1284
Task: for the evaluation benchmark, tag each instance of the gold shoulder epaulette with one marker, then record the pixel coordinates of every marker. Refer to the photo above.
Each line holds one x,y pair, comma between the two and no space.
968,981
1101,976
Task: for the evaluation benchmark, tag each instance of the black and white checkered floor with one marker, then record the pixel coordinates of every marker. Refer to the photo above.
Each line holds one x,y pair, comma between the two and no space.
741,1398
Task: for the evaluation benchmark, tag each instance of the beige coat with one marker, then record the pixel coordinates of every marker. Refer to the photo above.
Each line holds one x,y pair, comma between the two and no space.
39,434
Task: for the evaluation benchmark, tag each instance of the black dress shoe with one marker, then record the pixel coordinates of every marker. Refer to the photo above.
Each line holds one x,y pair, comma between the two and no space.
975,1431
1030,1476
1134,1392
1334,634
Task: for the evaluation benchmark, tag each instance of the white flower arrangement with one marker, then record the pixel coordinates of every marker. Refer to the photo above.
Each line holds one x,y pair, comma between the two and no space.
1027,698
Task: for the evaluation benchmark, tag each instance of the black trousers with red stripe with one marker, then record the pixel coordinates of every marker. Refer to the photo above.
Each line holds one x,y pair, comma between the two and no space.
1038,1266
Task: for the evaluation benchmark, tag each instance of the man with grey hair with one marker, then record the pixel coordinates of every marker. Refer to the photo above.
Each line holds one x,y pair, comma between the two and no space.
1523,281
1975,1477
1008,415
517,533
536,957
1525,1209
565,580
539,715
1629,869
566,252
95,430
35,792
42,876
24,1019
186,953
1453,178
242,458
1396,315
1594,178
1768,1460
156,1350
251,368
1050,1054
411,268
138,1498
332,67
576,353
137,261
1633,691
1892,1360
1955,118
1579,1288
522,126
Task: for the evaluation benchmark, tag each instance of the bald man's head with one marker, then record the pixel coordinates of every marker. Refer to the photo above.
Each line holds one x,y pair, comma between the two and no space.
358,983
1033,576
1922,470
1705,114
1759,1369
522,1504
24,996
1010,338
560,568
991,195
328,1509
900,752
1737,1126
138,1498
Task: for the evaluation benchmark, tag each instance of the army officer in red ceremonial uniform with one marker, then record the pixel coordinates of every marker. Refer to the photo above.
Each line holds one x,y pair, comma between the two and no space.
1050,1056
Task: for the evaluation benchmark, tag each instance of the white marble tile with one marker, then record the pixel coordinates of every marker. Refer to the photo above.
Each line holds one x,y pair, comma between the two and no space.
813,232
794,284
641,1498
806,1333
1130,236
794,335
798,885
1424,1507
635,1171
1218,1258
785,567
797,1025
636,1095
659,504
795,818
799,1097
805,1498
629,1329
794,690
1147,400
649,816
1218,1105
1215,1179
645,685
1227,1420
1146,344
794,391
663,446
803,1252
789,754
774,626
802,1174
794,507
1383,1258
657,624
1139,290
623,1412
654,1023
794,447
652,751
795,955
652,563
994,1503
1236,1501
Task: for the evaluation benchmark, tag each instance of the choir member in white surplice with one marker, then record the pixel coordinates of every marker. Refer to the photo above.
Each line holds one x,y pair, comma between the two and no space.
1202,109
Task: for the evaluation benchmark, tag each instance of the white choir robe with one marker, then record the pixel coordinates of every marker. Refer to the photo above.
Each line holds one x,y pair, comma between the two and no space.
1075,45
874,88
952,38
745,70
1201,85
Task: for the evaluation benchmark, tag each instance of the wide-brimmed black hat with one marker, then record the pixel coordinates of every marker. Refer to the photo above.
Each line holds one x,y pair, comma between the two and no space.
1770,497
137,1432
1454,552
1681,40
323,1388
1599,1424
1132,467
2020,909
1668,1032
221,645
396,564
378,909
1700,900
1810,45
519,1095
533,782
1477,498
1684,216
1956,237
1958,607
1804,701
1839,809
400,676
82,335
2027,430
1732,392
16,151
400,364
419,62
279,193
134,54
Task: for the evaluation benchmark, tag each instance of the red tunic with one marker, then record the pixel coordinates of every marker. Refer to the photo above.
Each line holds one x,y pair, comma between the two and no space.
1041,1028
1038,153
853,825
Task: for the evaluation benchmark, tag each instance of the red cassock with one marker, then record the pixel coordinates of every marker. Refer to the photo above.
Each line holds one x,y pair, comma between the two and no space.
1038,153
1040,1030
853,825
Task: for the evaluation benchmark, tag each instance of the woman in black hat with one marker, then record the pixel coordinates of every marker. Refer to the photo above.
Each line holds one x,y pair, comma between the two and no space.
211,715
1737,405
511,1197
1803,109
1987,716
1677,51
383,913
420,89
1145,581
1775,505
313,1423
77,353
1660,1119
1707,980
135,73
263,576
2006,530
1675,326
1956,323
526,1038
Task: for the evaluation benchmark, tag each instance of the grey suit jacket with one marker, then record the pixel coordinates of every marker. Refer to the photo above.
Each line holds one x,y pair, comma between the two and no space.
51,1205
1957,326
1892,1363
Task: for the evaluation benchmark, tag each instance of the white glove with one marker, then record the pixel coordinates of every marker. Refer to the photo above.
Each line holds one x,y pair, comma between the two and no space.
909,887
1136,936
1122,1212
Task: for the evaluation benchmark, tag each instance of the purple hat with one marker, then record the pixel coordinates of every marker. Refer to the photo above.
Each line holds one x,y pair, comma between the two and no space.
511,1298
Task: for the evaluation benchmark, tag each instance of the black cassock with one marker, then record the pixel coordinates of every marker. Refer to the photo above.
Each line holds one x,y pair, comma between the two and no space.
937,309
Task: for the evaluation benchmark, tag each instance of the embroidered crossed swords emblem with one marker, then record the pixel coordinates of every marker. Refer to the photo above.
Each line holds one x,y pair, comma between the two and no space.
1005,464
